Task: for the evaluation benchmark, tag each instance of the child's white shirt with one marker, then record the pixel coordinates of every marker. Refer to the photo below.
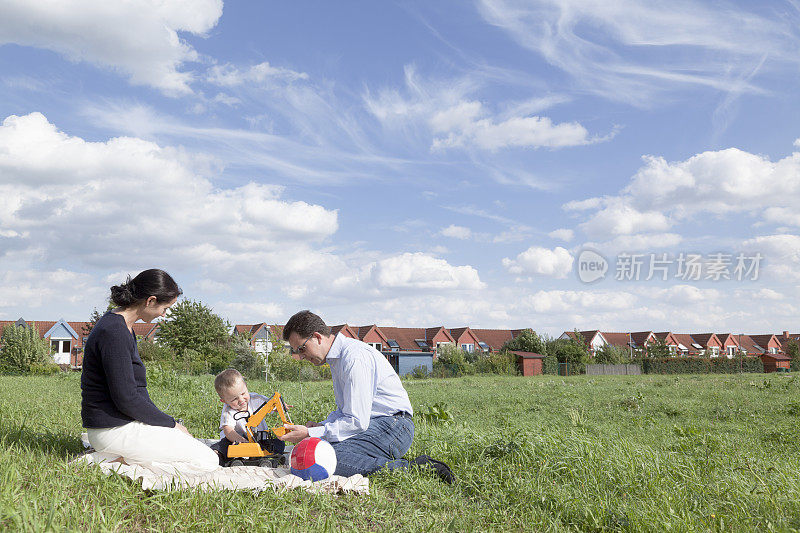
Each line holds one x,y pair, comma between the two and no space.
239,423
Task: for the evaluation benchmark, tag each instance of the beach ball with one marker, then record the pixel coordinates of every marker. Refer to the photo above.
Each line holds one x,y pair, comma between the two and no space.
313,458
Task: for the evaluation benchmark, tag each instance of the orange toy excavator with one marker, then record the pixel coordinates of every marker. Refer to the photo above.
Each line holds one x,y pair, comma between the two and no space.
261,448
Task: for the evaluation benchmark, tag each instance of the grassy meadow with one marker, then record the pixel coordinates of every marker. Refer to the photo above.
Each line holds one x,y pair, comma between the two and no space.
583,453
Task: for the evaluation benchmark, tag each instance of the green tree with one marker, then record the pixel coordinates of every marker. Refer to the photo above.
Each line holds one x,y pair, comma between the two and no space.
571,351
658,349
526,341
21,347
793,351
609,354
93,318
193,332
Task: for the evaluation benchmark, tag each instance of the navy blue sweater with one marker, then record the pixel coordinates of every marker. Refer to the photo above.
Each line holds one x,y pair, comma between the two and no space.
113,381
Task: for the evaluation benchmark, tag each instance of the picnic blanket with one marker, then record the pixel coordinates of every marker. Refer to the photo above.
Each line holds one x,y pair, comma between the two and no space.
251,478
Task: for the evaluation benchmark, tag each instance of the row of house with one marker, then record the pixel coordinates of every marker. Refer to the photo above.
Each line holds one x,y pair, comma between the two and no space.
394,339
692,344
68,338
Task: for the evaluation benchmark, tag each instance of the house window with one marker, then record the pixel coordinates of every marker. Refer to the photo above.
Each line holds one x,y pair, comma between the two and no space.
377,345
773,350
484,346
423,345
393,346
439,345
65,346
468,347
54,346
731,351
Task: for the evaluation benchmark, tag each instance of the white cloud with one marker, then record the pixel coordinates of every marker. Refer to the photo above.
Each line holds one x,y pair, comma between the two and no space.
456,232
639,242
723,183
686,294
769,294
540,261
619,218
465,125
445,110
251,312
421,271
41,288
633,51
577,301
137,37
780,253
563,234
106,203
229,75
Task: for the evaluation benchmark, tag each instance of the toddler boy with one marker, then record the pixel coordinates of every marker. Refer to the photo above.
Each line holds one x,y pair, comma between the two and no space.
239,404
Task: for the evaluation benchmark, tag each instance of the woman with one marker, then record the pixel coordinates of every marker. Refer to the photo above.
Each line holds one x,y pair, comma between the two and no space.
121,419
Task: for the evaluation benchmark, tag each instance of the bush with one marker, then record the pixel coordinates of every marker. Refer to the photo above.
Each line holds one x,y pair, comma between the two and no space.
701,365
611,355
247,361
419,372
21,347
550,365
452,362
154,352
502,362
284,367
44,369
526,341
570,351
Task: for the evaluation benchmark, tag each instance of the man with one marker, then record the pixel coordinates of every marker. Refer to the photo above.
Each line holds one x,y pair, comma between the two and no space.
371,427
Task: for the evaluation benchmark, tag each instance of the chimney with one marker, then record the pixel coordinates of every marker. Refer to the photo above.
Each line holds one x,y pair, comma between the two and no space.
785,334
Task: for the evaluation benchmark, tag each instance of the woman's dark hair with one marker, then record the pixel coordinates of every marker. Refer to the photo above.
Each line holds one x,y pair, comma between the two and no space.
152,282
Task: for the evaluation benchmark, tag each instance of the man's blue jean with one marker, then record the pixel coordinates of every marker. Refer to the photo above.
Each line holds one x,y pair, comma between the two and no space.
382,445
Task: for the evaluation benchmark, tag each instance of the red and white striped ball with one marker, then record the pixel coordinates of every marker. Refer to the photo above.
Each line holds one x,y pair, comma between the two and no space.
313,458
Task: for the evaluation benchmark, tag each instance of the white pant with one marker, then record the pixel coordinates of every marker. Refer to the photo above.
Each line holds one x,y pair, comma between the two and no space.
167,449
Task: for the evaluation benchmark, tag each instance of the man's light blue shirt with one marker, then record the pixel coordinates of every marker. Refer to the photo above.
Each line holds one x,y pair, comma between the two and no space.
365,386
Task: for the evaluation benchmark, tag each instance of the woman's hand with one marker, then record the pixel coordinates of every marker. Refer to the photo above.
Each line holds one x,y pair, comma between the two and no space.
182,428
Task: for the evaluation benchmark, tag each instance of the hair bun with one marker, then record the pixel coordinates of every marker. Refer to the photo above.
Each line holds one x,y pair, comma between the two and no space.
122,295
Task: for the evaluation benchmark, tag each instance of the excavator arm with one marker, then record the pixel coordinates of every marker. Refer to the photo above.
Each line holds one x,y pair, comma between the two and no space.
273,404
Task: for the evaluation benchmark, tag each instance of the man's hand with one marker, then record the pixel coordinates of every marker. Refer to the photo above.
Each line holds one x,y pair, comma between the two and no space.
294,433
182,428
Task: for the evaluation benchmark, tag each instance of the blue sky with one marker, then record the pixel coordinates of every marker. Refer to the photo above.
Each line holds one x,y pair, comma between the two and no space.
411,164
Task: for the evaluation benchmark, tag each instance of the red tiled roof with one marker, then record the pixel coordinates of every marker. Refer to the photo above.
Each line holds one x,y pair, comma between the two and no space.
640,338
727,338
765,340
621,340
750,346
528,355
432,333
346,330
704,339
495,338
406,337
686,340
363,331
777,356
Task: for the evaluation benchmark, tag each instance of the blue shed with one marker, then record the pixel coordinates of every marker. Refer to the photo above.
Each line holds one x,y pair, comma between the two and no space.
405,362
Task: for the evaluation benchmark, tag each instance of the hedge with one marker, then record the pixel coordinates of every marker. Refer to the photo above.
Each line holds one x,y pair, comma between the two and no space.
702,365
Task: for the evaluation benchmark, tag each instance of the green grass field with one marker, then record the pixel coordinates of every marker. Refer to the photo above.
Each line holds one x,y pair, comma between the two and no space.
584,453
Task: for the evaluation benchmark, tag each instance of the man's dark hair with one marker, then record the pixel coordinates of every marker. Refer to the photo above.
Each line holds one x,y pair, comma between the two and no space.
304,324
